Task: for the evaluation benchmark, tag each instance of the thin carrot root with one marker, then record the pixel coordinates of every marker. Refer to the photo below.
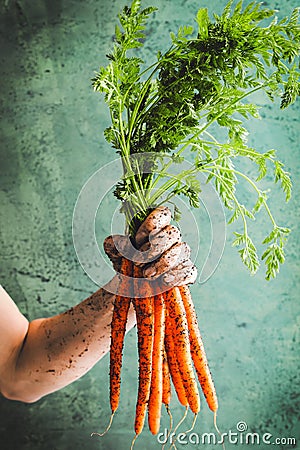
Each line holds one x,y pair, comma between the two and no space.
193,424
170,426
133,441
218,431
186,431
107,428
181,420
176,428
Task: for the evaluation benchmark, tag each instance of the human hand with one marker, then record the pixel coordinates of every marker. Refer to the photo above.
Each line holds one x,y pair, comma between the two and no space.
161,254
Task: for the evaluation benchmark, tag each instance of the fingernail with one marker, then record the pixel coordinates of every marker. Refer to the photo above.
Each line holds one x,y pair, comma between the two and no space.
150,272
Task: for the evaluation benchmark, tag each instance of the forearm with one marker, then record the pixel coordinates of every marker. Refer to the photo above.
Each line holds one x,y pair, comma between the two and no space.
45,355
61,349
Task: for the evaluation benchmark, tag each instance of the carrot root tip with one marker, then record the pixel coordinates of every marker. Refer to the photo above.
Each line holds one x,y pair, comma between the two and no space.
193,424
133,442
171,426
176,428
218,431
107,428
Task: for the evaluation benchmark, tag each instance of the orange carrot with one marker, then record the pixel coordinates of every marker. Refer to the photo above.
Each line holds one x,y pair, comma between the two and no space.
156,392
166,397
177,316
118,329
197,350
144,318
172,362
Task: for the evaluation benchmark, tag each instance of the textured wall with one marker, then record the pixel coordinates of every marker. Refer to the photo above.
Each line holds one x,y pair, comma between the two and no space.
51,142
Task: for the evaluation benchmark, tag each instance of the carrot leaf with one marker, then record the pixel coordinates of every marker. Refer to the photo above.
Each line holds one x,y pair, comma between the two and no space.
200,88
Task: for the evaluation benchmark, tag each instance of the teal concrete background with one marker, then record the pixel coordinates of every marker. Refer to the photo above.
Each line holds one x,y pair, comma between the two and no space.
51,143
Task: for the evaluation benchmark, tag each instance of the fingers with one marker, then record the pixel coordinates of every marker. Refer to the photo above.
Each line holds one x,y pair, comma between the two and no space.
110,248
175,255
161,253
185,273
173,268
159,243
156,220
116,247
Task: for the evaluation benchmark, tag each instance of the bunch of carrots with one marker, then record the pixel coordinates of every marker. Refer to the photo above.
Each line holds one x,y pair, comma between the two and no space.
159,112
170,347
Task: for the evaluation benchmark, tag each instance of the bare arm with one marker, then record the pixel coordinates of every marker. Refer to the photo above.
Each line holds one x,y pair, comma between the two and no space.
45,355
42,356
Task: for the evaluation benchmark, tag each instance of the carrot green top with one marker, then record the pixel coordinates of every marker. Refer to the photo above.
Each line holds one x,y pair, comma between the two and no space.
170,109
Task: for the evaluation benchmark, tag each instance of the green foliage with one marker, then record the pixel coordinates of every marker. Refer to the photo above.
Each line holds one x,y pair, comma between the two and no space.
274,254
203,79
248,251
